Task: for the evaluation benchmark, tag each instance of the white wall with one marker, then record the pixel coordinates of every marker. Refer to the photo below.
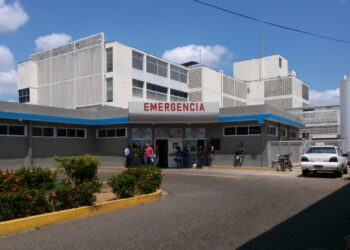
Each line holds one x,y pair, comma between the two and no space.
211,85
256,93
257,69
27,75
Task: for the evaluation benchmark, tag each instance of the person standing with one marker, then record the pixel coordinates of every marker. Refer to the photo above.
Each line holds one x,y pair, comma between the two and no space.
200,157
136,155
186,157
127,156
179,157
148,154
210,154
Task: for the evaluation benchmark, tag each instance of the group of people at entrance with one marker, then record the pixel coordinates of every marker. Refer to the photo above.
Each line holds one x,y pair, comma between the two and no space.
135,156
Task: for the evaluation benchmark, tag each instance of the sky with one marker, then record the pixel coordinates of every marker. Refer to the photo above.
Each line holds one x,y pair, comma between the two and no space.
183,30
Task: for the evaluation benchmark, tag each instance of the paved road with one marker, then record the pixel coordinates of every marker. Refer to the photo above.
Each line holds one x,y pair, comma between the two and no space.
213,209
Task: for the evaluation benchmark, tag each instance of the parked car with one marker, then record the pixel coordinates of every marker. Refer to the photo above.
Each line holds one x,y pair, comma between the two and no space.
324,159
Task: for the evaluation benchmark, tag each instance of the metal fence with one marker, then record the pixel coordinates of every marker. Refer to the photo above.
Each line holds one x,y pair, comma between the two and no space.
297,148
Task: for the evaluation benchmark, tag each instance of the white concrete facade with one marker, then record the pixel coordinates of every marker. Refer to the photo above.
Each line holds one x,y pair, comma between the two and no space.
90,72
270,82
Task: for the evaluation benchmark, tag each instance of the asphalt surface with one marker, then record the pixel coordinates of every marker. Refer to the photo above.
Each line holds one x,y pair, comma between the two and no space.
213,209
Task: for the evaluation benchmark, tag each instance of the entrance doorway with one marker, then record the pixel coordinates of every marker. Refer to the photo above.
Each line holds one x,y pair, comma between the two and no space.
162,152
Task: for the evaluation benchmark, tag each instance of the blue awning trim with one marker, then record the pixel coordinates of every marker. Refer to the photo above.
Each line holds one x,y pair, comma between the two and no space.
260,118
50,118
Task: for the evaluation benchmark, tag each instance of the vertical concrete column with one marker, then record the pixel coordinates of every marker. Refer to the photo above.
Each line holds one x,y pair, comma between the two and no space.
30,145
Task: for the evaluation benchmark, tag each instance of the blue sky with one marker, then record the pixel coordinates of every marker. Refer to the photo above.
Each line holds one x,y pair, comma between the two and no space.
158,26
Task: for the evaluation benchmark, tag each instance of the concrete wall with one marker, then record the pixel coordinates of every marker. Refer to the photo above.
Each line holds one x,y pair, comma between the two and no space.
258,69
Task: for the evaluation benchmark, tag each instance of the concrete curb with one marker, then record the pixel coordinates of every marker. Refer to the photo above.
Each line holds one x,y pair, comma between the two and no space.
17,225
242,168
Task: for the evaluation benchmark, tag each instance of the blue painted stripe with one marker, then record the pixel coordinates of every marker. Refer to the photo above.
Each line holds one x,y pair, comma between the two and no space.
260,118
50,118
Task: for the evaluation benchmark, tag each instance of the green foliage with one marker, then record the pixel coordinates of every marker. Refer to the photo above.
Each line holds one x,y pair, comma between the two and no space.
79,168
85,192
30,191
149,179
123,185
36,178
23,203
134,181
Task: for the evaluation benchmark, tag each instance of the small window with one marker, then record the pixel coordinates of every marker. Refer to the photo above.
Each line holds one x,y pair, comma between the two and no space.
3,130
242,130
16,130
272,130
101,133
109,89
37,131
280,62
137,60
61,132
121,132
230,131
71,132
109,59
81,133
254,130
48,132
24,95
110,132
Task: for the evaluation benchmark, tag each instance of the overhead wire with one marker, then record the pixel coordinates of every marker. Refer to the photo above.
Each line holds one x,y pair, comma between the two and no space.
272,24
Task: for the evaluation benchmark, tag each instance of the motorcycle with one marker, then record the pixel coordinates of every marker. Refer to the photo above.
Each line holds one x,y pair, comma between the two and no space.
238,160
284,162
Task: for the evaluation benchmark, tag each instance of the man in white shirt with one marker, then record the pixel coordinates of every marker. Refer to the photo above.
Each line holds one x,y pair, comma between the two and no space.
127,156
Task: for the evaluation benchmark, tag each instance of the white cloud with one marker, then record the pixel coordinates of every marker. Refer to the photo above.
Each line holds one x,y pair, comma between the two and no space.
8,74
324,97
52,41
12,16
207,55
6,58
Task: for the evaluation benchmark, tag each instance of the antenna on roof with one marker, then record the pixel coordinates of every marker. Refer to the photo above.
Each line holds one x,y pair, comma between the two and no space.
261,54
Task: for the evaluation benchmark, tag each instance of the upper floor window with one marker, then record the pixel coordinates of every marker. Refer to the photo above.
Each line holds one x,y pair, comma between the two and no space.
178,74
109,59
178,96
280,62
24,95
157,67
137,60
109,89
137,88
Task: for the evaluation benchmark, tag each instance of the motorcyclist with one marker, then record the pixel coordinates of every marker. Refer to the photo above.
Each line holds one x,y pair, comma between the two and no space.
239,155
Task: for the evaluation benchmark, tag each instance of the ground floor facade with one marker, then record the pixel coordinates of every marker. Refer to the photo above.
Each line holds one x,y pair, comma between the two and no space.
32,135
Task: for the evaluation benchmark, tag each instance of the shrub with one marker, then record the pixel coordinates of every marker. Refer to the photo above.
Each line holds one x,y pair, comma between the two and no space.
79,168
36,178
143,180
123,185
85,192
9,182
149,179
23,203
62,197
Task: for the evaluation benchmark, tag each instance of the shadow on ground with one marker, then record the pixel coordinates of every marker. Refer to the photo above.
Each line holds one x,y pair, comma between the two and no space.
323,225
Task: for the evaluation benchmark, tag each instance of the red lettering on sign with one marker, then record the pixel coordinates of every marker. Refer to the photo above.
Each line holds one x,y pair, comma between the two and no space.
172,107
146,106
201,108
153,107
179,107
192,107
161,106
185,107
166,107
